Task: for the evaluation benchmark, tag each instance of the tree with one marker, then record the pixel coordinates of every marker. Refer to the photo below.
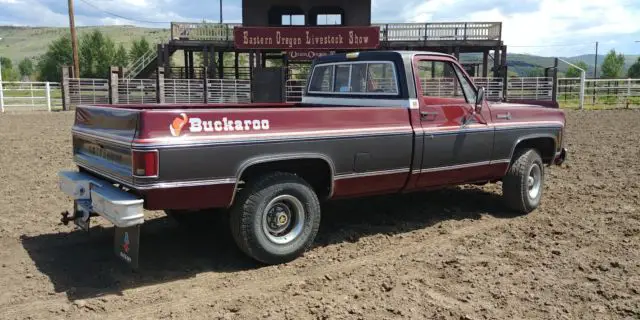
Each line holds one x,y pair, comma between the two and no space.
25,67
138,49
97,53
58,54
8,73
613,65
574,72
634,70
535,72
121,59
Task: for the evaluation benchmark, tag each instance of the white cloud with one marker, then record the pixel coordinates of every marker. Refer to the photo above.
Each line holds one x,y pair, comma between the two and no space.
549,27
574,24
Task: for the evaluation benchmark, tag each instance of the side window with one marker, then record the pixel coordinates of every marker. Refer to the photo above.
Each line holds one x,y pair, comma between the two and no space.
467,87
356,78
441,79
322,79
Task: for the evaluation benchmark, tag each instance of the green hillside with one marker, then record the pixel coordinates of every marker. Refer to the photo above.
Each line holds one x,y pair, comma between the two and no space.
31,42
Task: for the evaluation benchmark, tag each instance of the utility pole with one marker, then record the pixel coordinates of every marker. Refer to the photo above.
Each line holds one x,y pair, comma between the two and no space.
220,11
595,71
74,41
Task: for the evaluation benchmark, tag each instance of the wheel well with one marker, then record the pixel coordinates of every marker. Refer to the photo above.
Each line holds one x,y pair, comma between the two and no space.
546,146
317,172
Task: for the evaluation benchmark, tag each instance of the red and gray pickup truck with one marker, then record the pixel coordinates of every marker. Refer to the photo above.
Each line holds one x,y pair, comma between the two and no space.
370,123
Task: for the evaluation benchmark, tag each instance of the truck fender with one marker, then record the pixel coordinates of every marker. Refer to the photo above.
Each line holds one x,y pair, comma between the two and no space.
531,137
284,156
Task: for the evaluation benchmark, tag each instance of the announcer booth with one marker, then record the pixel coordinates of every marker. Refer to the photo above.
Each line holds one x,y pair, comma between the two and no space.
290,34
277,40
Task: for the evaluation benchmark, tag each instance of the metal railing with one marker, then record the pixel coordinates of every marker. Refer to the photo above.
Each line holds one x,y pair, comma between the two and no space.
440,31
228,91
88,91
600,92
530,88
202,31
435,87
494,87
606,92
17,95
137,66
294,90
136,91
388,32
184,90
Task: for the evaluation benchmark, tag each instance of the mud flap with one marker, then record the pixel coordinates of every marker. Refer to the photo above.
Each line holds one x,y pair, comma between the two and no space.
126,244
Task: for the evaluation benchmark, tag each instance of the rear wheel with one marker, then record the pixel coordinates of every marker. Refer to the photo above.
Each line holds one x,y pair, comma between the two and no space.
522,186
275,218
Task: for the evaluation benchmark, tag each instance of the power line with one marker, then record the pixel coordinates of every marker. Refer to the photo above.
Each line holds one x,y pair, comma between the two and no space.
121,16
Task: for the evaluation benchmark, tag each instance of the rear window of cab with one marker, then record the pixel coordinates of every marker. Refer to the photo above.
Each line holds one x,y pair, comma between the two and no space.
353,78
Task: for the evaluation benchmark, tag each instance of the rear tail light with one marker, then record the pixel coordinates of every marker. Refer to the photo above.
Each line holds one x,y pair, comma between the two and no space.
145,163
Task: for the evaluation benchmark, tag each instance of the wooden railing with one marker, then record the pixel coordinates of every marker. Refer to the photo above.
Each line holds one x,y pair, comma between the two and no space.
461,31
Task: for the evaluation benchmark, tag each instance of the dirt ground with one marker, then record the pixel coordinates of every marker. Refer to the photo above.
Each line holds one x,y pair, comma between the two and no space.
450,254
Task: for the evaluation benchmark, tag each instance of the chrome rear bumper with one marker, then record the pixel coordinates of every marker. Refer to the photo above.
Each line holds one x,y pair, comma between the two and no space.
98,196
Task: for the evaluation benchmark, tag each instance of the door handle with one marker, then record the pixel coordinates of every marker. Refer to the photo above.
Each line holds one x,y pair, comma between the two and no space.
425,114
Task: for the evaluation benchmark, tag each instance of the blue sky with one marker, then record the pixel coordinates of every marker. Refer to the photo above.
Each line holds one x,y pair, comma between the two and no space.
546,27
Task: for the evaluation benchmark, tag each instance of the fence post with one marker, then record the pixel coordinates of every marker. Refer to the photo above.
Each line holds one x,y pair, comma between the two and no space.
205,81
582,84
66,92
1,95
47,87
160,85
554,88
113,85
628,92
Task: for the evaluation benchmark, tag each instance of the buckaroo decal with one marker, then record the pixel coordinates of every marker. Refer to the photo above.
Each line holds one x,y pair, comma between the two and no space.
198,125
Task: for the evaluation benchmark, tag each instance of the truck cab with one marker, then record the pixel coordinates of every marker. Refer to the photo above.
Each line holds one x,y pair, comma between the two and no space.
370,123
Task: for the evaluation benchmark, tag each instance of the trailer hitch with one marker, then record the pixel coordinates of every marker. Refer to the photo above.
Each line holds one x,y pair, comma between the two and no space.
80,217
65,217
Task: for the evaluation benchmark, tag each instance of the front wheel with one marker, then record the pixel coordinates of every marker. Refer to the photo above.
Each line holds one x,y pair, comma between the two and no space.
523,184
275,218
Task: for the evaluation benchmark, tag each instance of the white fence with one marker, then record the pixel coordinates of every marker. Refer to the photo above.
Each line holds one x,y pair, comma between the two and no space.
16,96
600,92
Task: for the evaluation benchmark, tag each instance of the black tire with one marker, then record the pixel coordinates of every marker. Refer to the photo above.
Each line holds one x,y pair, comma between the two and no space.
247,219
518,192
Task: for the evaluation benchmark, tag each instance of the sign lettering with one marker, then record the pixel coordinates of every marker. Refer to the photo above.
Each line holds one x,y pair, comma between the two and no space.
307,37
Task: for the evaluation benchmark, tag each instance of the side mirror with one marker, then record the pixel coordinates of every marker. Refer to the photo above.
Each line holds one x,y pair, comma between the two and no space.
479,100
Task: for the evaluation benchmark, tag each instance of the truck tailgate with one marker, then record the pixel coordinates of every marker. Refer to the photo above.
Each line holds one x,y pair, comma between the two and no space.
102,140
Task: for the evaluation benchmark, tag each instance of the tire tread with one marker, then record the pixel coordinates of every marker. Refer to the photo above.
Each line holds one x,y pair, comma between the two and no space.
241,217
514,187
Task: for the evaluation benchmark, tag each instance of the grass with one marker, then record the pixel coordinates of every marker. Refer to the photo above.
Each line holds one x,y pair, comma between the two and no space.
31,42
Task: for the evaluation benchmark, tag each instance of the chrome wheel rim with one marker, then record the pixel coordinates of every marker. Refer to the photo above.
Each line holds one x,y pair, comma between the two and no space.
534,181
283,219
